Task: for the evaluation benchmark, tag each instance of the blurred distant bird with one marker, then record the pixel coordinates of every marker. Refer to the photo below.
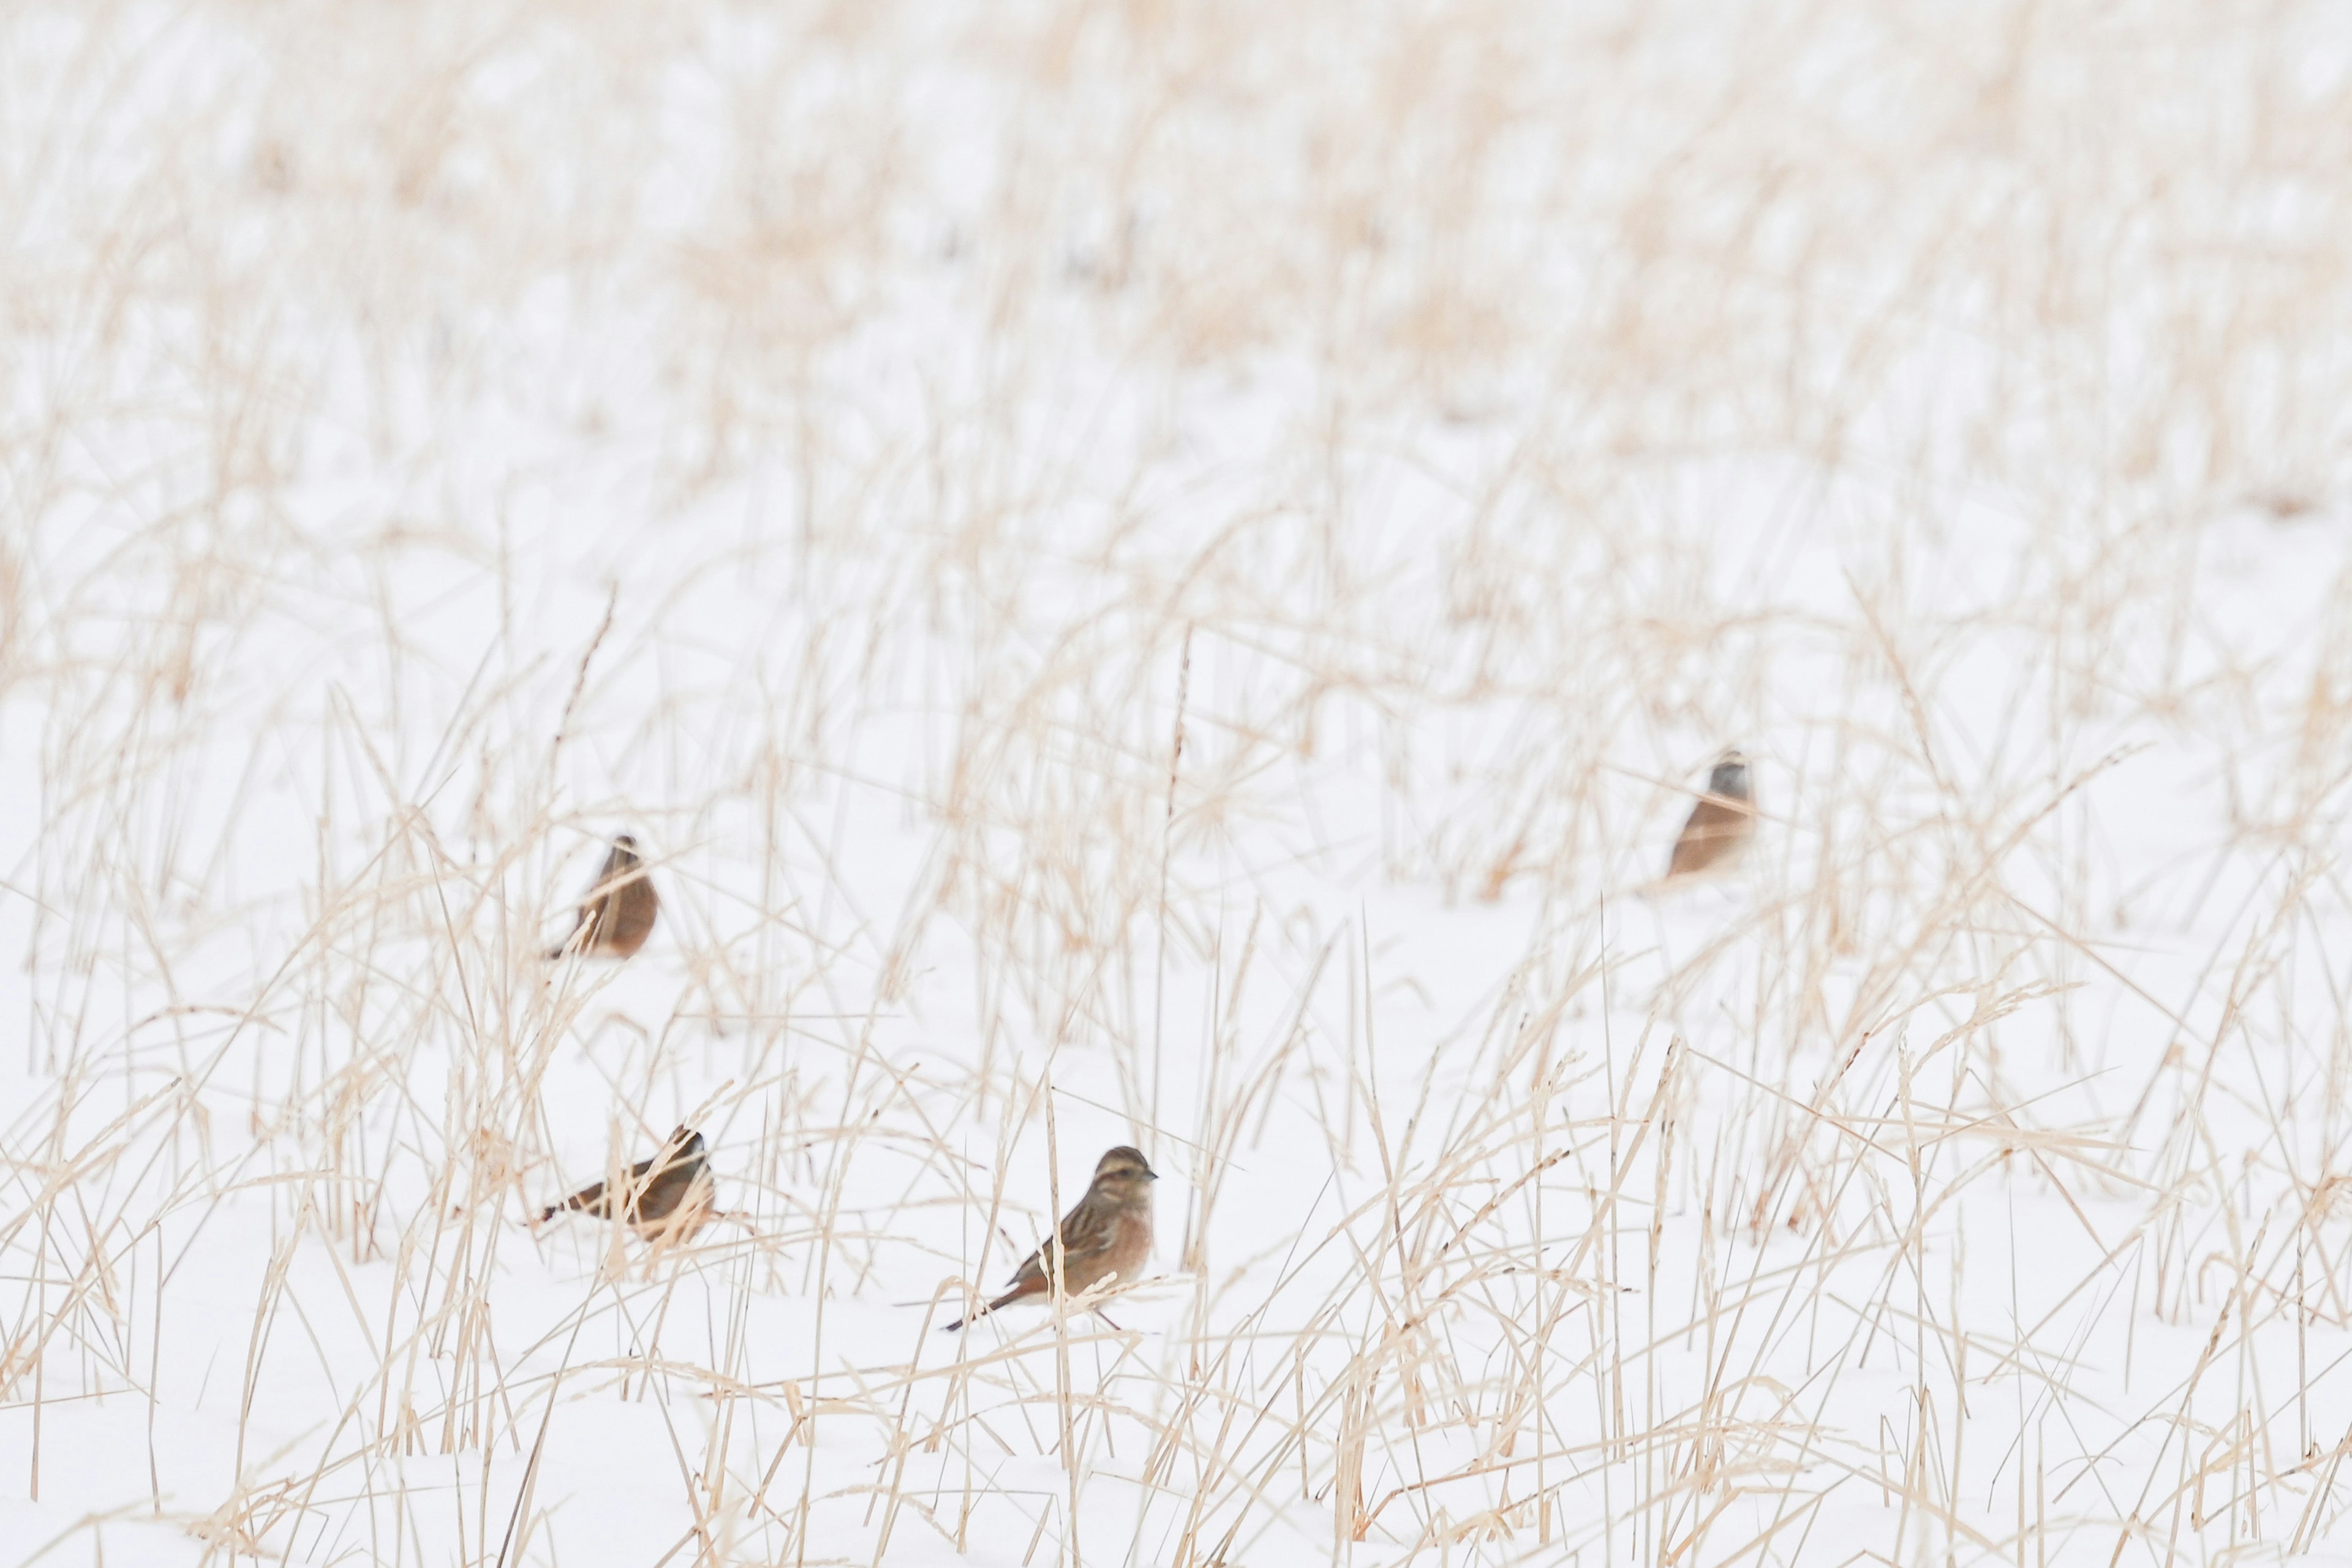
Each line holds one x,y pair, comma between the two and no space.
1109,1232
666,1198
620,908
1720,825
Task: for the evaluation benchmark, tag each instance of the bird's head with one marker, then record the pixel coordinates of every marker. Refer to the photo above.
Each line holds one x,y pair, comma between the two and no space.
1124,1173
1729,778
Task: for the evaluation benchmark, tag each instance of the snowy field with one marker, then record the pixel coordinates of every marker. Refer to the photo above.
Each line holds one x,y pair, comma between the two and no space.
1169,572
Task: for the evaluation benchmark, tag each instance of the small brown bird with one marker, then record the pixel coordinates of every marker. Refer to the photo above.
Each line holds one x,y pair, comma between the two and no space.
666,1198
1720,825
1109,1233
618,914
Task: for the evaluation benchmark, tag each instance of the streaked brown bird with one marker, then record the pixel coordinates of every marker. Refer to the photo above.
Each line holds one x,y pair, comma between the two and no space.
1720,825
1109,1232
666,1198
618,914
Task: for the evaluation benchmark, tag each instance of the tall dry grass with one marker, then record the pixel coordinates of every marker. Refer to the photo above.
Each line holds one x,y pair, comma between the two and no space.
1167,573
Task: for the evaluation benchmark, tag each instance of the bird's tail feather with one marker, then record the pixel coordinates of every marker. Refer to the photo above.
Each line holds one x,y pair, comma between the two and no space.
1005,1300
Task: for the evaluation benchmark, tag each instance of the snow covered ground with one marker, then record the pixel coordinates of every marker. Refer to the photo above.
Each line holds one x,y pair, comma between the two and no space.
1169,573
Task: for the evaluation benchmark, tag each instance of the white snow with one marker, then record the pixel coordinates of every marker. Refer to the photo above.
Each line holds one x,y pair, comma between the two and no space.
825,442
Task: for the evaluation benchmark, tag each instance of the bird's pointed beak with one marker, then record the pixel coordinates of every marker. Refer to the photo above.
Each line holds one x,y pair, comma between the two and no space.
1150,1175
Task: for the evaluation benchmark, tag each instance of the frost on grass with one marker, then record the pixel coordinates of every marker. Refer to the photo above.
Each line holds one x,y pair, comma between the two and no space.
847,447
